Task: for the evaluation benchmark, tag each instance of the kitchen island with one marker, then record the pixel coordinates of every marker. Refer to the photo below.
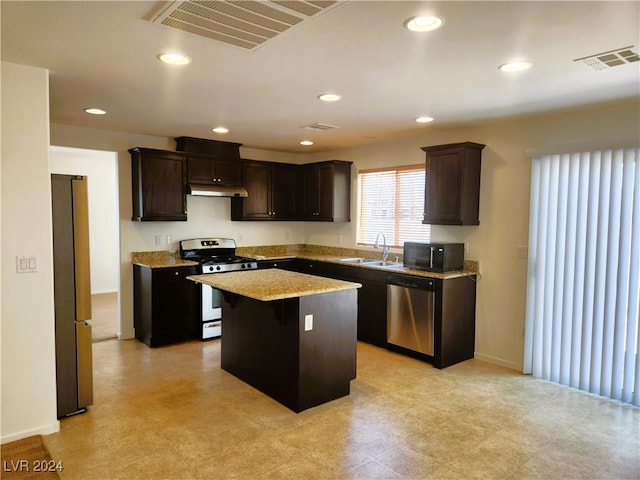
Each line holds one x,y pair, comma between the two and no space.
290,335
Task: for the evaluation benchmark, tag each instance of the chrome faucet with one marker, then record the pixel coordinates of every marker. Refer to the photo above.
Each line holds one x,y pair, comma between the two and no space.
385,248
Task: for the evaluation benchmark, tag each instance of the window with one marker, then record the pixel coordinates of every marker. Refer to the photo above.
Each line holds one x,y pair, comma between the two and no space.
391,201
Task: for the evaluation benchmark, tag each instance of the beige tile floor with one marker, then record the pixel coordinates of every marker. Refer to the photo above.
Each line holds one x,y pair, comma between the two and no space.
104,316
172,413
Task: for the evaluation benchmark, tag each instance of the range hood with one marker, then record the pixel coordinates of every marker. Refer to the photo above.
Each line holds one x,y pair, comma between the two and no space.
205,190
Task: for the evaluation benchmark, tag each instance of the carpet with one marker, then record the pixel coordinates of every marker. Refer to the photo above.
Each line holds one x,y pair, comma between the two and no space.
28,459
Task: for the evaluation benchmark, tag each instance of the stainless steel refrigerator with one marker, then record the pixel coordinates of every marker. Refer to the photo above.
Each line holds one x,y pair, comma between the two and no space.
72,293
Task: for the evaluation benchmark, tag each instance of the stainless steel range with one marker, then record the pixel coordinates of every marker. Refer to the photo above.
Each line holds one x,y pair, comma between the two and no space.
215,255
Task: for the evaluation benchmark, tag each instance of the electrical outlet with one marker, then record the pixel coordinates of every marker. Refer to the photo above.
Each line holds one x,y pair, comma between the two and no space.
286,235
308,322
158,239
169,239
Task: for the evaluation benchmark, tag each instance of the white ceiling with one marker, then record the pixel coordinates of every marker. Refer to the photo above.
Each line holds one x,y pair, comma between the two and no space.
103,54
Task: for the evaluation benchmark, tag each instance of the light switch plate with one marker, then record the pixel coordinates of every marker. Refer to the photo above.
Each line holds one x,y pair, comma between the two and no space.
308,322
26,264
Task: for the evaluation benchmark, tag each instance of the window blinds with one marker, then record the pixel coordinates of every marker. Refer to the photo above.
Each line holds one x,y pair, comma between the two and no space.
583,289
391,201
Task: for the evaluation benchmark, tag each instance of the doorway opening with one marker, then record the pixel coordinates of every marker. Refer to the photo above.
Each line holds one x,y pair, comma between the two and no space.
101,169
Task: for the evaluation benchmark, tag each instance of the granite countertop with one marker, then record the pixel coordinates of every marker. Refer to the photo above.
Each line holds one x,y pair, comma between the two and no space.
338,255
160,259
273,284
165,259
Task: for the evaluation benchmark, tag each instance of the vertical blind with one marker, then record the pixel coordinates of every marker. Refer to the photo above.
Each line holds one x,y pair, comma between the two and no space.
391,201
583,274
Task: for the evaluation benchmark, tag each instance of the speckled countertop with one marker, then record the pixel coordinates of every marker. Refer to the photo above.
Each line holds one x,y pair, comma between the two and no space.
164,259
160,259
338,254
273,284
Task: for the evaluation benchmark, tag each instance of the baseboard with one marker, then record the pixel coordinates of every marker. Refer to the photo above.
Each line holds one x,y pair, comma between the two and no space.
126,334
497,361
46,430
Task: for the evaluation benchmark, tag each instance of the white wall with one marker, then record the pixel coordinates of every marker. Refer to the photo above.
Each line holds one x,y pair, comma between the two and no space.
504,203
207,216
28,360
100,168
28,344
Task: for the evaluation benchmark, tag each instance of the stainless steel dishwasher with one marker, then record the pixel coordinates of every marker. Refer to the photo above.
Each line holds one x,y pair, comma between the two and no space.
410,312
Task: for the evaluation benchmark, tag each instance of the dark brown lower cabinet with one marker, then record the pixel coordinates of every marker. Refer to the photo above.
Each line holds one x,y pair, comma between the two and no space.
454,316
455,322
372,313
268,345
166,305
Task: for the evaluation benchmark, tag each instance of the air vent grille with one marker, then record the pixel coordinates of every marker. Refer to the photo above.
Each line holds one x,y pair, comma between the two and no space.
247,24
319,126
613,58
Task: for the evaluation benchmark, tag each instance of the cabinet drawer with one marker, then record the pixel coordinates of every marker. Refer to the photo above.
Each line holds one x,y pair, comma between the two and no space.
165,274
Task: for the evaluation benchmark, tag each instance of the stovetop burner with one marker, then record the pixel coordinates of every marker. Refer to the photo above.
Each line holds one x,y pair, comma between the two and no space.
215,255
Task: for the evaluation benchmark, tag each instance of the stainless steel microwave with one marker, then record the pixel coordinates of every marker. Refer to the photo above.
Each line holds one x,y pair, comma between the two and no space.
434,257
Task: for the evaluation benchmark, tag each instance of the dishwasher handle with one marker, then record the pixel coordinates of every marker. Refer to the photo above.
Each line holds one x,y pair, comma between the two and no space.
411,282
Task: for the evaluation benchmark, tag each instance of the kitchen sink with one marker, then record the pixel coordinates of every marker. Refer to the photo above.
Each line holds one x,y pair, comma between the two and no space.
353,260
381,263
366,262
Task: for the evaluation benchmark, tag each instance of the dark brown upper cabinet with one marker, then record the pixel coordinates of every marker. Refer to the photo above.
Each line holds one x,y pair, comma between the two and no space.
209,170
326,191
211,162
158,185
272,192
452,186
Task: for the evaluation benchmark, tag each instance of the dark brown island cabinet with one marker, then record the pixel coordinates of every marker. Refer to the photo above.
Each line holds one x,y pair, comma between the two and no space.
158,185
166,304
452,186
372,296
289,335
269,346
272,191
326,191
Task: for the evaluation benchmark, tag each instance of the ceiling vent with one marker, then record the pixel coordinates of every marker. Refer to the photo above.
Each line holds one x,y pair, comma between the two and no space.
613,58
319,126
247,24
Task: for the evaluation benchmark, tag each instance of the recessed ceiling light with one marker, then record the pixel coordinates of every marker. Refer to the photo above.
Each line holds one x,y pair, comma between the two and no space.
423,23
329,97
424,119
174,58
517,66
220,130
306,142
95,111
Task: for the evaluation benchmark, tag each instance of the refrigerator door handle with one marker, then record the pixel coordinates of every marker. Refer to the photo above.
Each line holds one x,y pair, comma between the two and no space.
81,248
84,364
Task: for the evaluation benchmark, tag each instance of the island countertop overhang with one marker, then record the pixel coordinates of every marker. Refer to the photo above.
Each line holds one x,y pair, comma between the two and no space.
272,284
